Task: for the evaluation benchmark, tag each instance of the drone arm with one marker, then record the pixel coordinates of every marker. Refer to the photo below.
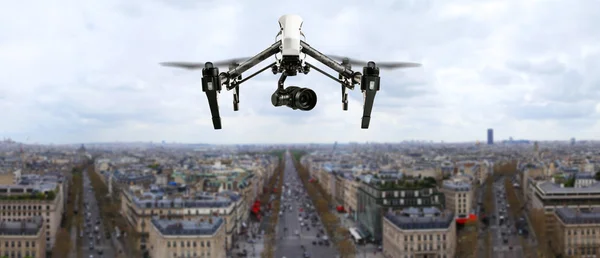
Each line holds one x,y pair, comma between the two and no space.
248,64
229,87
323,72
307,49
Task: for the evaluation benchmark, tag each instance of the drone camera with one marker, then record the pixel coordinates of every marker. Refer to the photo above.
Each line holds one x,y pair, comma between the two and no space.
294,97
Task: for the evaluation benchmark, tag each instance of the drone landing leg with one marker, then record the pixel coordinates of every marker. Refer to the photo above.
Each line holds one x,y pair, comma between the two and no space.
211,85
369,86
236,98
344,98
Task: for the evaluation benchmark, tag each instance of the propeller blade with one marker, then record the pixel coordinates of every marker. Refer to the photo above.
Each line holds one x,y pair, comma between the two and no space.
383,65
185,65
197,65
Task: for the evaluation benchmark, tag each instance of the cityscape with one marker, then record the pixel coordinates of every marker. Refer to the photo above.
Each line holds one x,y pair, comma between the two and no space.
300,129
512,198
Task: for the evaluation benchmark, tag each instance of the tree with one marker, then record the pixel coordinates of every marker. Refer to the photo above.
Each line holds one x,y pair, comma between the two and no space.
50,195
347,248
321,205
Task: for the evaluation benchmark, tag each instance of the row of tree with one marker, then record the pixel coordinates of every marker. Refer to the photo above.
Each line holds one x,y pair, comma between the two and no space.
339,235
62,244
276,181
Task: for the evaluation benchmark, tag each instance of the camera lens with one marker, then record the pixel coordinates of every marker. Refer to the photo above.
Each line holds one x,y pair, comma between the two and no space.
295,98
305,99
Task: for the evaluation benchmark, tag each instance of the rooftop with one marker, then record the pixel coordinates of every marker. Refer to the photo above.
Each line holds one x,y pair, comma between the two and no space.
420,218
201,227
578,216
29,227
553,188
149,200
457,185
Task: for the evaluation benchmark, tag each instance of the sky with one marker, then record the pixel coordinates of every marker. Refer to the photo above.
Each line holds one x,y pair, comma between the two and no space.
87,71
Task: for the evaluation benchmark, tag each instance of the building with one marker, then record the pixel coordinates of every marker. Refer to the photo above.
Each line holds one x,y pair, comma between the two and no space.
548,196
458,193
577,232
377,196
24,238
350,198
140,207
34,197
186,238
419,232
490,136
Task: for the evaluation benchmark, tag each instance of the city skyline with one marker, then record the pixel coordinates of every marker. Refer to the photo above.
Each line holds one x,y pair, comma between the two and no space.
90,73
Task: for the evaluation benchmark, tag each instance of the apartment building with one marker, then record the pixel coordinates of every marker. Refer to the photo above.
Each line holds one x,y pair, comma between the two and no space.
419,233
203,237
350,196
577,232
23,201
139,207
458,192
24,238
377,196
548,196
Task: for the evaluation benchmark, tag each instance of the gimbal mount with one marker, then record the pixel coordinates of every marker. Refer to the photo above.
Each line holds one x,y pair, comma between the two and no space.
213,81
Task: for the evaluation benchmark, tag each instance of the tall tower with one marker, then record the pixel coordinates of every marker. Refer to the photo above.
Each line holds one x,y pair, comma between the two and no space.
490,136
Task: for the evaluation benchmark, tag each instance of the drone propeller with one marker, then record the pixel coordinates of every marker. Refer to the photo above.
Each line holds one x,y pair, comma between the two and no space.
382,65
195,65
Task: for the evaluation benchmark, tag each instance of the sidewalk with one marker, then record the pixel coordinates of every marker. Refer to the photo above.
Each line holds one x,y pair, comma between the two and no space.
254,249
362,251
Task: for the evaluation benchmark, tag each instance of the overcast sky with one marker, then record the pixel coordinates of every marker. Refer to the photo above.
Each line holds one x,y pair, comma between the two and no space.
87,71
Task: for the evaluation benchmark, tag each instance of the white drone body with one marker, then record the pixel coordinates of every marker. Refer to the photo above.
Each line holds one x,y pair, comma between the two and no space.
291,35
290,51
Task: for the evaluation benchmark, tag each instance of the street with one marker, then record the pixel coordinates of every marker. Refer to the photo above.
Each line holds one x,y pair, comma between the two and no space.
95,242
505,240
300,232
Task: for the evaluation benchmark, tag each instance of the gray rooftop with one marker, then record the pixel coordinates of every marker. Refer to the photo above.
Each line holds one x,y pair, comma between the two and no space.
578,216
29,227
553,188
425,218
199,201
457,185
203,227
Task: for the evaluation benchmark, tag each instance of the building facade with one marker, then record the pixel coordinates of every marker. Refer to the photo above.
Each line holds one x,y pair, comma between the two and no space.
140,208
185,238
376,197
419,233
458,193
577,232
24,238
21,202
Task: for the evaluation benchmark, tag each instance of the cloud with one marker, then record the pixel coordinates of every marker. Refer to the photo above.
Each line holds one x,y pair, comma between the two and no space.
89,72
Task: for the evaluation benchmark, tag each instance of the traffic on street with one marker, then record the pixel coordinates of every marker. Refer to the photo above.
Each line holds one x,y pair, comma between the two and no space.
300,232
505,239
96,242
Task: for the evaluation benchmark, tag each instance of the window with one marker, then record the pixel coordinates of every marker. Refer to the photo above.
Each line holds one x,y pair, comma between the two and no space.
168,243
208,243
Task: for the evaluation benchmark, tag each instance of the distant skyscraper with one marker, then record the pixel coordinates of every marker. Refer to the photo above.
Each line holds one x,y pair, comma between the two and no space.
572,141
490,136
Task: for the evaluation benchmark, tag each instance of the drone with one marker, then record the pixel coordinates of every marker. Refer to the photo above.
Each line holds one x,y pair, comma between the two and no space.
290,51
